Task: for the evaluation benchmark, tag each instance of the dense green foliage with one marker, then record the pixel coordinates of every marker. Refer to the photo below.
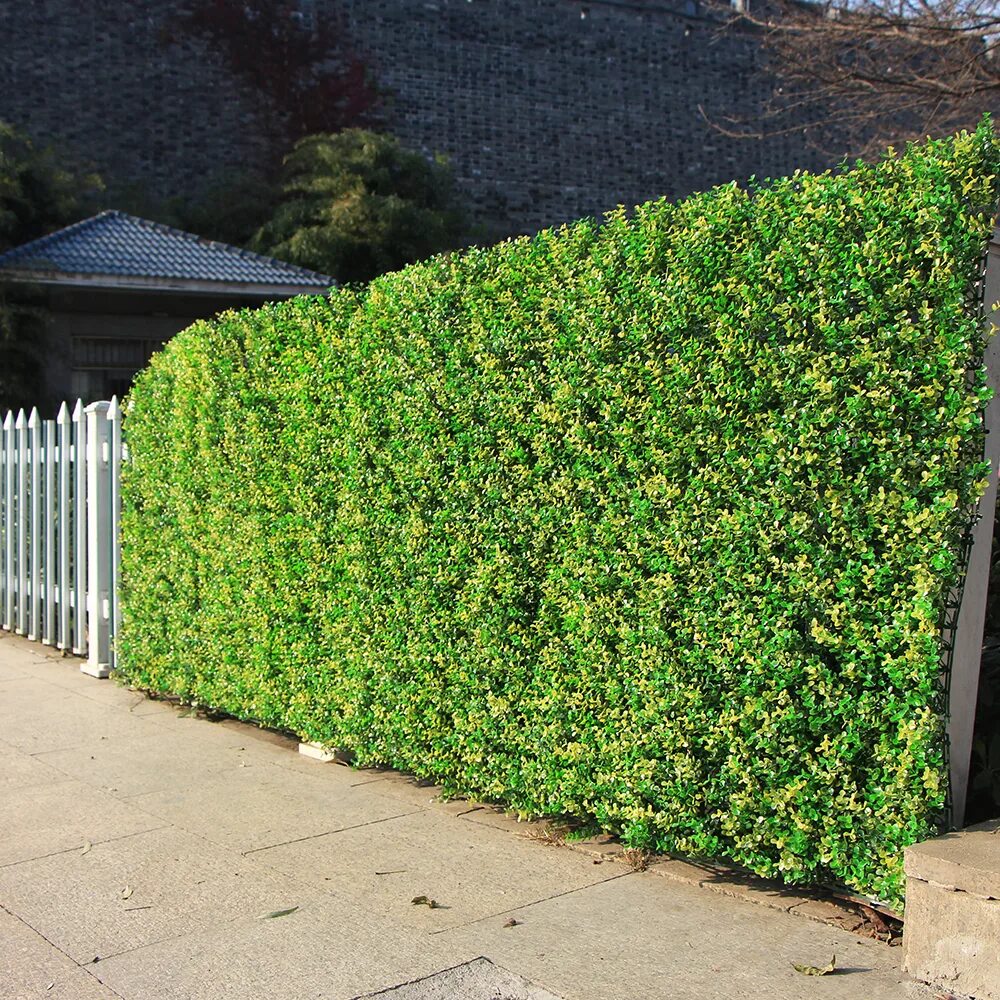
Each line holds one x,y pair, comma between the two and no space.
358,204
37,192
650,523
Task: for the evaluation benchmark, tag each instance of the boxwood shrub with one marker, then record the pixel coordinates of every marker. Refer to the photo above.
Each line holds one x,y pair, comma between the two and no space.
650,522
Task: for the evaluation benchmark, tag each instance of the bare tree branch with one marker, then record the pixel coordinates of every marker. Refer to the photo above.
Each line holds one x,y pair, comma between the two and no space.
857,75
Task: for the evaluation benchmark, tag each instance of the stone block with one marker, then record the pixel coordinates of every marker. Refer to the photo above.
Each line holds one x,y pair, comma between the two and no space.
968,860
951,937
316,751
100,671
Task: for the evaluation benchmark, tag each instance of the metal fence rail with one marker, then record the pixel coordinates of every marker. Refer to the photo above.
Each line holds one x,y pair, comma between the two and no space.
59,516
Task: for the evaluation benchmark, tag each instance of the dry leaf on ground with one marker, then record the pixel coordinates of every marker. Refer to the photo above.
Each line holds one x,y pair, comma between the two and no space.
812,970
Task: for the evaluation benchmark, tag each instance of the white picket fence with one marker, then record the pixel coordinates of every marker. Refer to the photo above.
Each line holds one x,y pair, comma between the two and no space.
60,507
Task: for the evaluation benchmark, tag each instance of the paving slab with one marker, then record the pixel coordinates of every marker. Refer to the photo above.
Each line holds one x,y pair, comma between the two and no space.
261,746
61,816
38,716
330,948
131,892
249,809
25,651
476,980
13,678
641,937
186,721
151,762
414,791
31,968
21,770
108,692
11,668
471,876
146,705
211,825
498,819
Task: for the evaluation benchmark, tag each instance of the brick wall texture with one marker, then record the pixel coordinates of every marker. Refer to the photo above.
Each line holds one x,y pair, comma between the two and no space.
548,109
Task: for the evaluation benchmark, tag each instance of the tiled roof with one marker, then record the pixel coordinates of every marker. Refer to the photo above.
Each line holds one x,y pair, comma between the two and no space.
122,245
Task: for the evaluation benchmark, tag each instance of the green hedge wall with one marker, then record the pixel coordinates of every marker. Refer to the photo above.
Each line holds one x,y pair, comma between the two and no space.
650,522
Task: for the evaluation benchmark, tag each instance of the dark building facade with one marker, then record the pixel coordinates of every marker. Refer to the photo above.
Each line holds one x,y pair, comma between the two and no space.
115,288
548,109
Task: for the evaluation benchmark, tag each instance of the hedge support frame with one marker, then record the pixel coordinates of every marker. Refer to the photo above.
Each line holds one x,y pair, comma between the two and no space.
967,637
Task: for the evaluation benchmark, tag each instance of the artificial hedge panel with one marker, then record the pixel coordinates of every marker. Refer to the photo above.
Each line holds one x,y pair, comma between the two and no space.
650,523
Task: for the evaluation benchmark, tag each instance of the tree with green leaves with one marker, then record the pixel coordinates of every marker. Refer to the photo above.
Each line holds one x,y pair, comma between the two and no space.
37,195
357,204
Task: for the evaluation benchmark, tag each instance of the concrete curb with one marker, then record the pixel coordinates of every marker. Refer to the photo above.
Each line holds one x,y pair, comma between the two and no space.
860,917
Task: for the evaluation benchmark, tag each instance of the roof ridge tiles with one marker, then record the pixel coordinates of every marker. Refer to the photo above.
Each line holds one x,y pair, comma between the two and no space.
108,243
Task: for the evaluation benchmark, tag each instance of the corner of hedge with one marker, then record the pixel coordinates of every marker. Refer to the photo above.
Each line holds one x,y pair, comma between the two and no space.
650,522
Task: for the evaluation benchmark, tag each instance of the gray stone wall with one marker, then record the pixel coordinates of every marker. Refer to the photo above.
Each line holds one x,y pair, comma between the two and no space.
548,109
104,83
548,115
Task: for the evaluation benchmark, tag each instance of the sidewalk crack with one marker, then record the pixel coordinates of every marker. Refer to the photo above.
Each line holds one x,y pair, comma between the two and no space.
534,902
330,833
78,847
65,954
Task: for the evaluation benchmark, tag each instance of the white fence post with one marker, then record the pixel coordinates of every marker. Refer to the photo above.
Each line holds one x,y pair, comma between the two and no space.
35,525
60,510
98,459
79,556
967,632
21,427
49,516
115,422
63,423
9,473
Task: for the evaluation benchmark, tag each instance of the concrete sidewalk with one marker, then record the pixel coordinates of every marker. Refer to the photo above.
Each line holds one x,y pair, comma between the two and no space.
141,848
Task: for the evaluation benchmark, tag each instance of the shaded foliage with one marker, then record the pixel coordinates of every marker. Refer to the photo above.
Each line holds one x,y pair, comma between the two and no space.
37,195
358,204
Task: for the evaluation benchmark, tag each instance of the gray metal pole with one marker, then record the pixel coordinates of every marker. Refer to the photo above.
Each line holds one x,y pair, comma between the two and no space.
968,634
